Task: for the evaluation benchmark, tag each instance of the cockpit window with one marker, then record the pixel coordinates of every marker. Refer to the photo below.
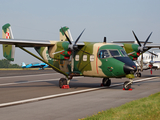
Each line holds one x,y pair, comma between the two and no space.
114,53
124,53
103,54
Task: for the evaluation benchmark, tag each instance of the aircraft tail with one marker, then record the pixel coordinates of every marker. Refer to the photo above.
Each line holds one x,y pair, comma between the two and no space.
8,50
23,64
67,32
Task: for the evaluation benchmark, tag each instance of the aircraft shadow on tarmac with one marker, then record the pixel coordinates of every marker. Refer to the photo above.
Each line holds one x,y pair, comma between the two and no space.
74,84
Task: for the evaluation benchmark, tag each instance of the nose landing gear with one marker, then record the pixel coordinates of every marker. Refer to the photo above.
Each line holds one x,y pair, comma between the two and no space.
127,85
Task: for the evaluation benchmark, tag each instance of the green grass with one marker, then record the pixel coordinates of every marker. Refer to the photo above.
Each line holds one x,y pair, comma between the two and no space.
143,109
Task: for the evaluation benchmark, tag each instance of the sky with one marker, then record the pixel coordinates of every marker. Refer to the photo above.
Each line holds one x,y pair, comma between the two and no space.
115,19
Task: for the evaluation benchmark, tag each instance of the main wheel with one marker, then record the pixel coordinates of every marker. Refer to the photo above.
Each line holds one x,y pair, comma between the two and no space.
106,82
62,81
125,86
138,74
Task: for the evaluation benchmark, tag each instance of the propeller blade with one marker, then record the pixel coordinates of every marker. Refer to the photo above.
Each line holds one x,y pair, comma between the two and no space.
147,39
152,53
72,61
79,37
66,36
84,51
142,62
136,39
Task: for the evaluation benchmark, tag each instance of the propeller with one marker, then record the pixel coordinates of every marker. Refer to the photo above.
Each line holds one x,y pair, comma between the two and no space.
142,48
73,47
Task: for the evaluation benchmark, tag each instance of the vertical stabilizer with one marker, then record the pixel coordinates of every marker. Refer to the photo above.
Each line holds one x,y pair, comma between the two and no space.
8,50
68,33
23,65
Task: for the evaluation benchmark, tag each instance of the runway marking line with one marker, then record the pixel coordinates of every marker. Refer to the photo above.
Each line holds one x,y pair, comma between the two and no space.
64,94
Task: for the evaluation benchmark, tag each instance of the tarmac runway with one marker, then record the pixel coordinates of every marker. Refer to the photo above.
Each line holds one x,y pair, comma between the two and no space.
35,95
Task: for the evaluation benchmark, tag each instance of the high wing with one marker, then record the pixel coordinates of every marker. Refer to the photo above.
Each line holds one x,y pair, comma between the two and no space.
27,43
30,43
129,41
149,46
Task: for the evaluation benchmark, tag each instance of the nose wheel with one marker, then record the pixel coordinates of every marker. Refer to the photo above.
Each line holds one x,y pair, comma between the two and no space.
127,85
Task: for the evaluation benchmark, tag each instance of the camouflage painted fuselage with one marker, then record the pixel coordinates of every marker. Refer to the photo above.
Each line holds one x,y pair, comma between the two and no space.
90,59
86,63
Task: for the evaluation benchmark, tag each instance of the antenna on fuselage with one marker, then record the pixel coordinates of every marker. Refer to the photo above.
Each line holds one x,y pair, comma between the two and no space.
104,41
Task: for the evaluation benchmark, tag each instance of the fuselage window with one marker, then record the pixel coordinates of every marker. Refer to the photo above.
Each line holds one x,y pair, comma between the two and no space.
124,53
114,53
103,54
92,58
77,57
84,57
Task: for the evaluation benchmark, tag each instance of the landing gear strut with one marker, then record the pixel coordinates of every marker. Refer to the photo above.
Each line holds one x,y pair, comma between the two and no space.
106,82
127,84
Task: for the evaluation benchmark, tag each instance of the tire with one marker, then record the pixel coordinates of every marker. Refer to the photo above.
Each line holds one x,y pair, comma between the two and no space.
106,82
62,82
138,74
126,87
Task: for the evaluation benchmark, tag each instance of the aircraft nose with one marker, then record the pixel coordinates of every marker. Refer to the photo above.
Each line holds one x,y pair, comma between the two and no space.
129,69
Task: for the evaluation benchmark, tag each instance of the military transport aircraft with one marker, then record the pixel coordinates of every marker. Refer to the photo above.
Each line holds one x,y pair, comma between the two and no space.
41,66
91,59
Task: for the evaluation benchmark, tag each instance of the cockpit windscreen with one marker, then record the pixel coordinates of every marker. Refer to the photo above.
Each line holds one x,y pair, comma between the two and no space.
114,53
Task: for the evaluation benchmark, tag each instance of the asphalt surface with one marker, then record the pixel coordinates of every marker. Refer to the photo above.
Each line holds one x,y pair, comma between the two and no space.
24,85
4,73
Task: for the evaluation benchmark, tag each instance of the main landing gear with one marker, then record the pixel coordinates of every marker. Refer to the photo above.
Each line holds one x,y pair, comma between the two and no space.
138,74
127,84
106,82
63,82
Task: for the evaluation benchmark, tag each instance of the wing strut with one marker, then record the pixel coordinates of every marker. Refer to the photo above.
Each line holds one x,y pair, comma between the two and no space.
56,69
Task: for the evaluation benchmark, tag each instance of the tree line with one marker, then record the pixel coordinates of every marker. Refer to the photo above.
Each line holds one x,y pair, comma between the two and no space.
4,63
